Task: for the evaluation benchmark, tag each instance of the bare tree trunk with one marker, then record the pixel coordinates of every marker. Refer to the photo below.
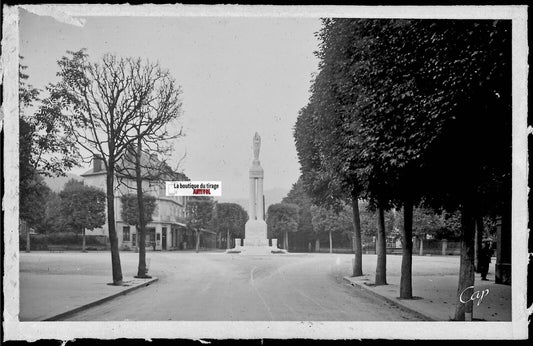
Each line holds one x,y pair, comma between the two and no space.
330,243
113,240
197,241
381,250
358,245
83,240
478,242
406,287
464,307
141,270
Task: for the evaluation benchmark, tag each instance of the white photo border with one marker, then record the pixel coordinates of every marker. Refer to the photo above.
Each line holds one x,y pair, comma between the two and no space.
517,329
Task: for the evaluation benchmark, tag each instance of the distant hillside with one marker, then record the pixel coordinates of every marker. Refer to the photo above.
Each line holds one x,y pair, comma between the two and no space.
56,183
272,196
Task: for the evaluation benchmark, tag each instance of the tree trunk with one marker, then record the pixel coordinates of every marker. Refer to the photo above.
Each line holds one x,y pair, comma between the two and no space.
197,241
330,243
406,287
421,249
317,245
227,239
113,240
28,244
141,269
83,240
381,250
464,308
478,242
286,240
358,245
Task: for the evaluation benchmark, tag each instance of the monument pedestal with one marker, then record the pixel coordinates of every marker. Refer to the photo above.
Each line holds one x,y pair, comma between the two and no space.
256,241
255,233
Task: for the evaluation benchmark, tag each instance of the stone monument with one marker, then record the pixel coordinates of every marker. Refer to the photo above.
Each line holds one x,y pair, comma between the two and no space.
255,230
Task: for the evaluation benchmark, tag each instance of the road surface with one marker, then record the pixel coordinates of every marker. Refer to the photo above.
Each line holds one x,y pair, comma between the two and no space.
224,287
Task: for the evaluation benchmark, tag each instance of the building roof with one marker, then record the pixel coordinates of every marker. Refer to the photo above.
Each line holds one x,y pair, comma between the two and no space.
151,168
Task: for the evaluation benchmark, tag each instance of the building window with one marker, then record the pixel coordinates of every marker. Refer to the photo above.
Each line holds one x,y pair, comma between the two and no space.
150,234
126,233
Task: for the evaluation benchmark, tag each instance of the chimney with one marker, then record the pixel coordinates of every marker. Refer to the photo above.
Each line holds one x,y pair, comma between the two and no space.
97,163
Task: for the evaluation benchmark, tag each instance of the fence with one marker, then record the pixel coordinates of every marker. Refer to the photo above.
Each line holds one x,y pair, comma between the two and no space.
429,247
68,241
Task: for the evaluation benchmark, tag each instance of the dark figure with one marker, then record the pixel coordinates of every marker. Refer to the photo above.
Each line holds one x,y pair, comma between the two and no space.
484,260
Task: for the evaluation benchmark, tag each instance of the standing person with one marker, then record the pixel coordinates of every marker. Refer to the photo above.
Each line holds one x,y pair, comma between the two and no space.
484,261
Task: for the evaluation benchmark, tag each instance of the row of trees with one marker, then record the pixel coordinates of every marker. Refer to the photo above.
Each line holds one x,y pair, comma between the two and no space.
73,210
226,219
317,223
405,113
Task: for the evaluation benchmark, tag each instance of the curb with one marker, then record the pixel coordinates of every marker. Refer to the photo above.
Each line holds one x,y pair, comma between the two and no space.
99,301
392,301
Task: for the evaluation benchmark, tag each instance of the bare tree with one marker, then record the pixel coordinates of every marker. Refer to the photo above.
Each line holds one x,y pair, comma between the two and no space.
106,104
142,164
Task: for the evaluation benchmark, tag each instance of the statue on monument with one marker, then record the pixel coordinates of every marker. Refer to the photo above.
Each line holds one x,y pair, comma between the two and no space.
257,146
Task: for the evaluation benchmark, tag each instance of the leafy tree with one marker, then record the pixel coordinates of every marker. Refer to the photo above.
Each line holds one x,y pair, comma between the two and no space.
282,218
329,221
130,209
82,207
231,219
472,78
199,215
42,151
297,195
43,147
53,220
329,169
33,202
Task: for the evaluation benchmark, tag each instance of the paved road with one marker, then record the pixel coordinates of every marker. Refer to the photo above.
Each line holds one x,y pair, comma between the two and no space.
222,287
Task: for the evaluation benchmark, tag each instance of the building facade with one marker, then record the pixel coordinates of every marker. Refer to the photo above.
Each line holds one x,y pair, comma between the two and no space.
166,231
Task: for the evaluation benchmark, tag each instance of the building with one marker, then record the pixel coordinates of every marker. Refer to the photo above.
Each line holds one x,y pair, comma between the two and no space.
167,230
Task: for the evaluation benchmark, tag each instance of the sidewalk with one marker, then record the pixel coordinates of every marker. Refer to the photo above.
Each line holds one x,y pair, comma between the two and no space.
79,292
53,284
435,294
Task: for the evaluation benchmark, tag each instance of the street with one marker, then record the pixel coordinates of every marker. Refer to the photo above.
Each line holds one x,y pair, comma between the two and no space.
221,287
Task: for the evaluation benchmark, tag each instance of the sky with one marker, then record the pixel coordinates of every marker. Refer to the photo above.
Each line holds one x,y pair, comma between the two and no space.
238,76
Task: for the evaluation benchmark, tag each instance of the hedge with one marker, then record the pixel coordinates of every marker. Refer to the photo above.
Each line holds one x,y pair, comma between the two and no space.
67,239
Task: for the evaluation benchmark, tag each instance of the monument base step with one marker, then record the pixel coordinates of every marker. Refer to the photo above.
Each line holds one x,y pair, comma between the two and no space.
256,250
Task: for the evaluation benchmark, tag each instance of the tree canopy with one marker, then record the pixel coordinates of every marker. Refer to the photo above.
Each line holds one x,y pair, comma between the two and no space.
199,213
408,111
230,219
82,206
130,208
282,219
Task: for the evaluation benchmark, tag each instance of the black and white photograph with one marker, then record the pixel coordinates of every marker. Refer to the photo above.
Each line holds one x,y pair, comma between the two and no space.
251,172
